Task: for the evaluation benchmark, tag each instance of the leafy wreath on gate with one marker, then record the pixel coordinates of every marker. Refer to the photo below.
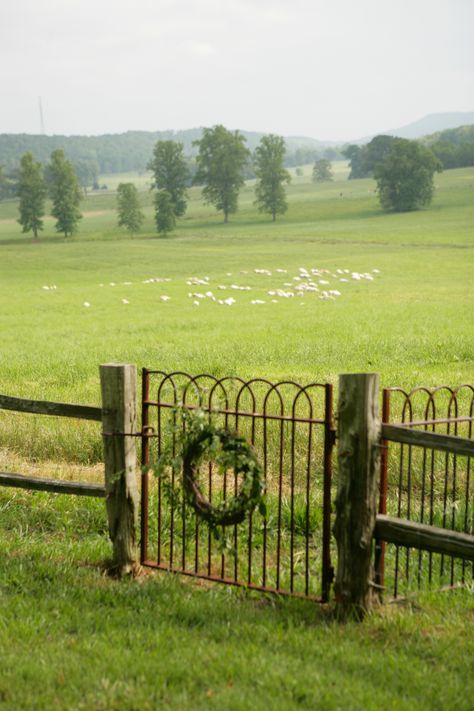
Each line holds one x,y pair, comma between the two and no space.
199,439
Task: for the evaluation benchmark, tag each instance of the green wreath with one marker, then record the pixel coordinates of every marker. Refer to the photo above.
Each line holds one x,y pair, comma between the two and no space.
200,439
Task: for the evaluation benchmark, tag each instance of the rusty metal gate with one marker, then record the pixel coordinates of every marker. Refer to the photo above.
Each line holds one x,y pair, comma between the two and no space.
427,486
291,429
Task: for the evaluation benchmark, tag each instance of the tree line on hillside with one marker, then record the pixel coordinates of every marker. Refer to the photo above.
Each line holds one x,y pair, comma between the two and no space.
454,148
130,151
403,170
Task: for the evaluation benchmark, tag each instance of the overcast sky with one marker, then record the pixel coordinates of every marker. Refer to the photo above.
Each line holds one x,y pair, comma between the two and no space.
329,69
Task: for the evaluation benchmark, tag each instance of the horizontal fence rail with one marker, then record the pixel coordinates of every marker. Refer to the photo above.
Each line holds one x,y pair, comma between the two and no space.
424,537
57,486
56,409
426,480
290,428
43,407
428,440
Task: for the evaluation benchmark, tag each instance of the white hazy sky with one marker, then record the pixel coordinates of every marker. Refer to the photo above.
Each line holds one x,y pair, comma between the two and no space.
330,69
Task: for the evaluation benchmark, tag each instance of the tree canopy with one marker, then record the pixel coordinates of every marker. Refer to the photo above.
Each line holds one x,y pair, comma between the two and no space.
165,216
322,171
364,159
65,193
129,214
170,173
32,192
220,161
271,175
87,171
405,176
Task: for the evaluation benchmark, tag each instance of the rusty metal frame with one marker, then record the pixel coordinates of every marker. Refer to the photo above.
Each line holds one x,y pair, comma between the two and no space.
258,408
415,482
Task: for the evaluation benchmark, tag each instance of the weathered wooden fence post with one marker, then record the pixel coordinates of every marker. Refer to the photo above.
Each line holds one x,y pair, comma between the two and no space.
118,385
356,503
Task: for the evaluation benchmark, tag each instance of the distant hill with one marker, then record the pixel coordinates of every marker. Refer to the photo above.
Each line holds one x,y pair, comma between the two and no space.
432,123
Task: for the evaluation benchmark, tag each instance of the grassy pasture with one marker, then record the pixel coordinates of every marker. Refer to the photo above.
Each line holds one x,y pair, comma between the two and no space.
71,638
412,323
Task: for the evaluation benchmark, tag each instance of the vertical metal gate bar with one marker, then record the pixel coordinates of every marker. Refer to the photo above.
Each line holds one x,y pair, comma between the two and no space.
145,460
159,502
380,545
292,508
308,504
465,564
327,477
265,469
280,495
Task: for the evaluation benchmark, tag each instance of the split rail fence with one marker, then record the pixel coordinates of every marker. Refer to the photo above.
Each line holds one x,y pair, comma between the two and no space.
406,485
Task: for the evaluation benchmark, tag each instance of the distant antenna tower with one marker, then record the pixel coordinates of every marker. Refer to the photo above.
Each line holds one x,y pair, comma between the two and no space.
41,116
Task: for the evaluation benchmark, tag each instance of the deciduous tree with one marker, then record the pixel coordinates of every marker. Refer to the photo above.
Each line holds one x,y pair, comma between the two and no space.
32,191
405,176
364,159
220,163
322,171
271,176
65,193
170,173
128,206
355,155
87,171
165,216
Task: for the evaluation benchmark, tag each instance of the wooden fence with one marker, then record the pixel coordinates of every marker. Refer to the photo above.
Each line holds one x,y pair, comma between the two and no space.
118,418
360,436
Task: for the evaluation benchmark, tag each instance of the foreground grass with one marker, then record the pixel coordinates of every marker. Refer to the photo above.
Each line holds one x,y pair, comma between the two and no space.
72,638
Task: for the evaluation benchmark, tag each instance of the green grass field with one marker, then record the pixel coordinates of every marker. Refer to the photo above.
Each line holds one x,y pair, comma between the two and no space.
182,646
412,324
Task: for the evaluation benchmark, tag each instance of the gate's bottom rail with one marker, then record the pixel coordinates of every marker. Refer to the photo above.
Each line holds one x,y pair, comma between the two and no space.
231,581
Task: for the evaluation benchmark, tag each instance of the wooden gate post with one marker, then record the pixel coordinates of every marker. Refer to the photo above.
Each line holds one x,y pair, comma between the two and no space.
118,385
359,430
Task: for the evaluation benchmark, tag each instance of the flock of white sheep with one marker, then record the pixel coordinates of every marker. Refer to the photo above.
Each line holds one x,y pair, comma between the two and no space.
314,283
